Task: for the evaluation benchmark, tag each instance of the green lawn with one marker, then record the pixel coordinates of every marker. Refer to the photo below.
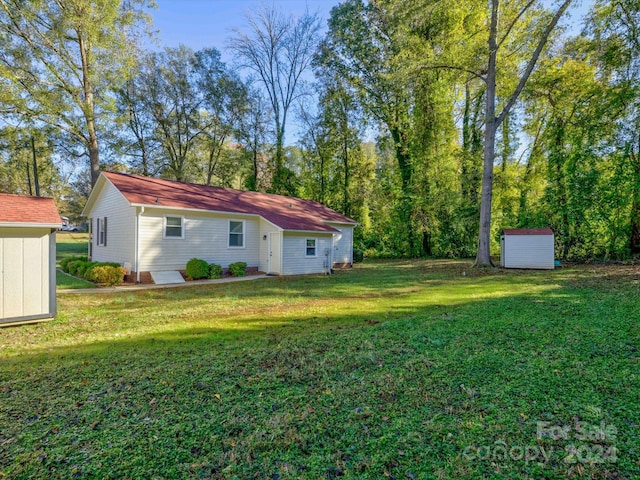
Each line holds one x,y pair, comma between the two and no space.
70,244
405,370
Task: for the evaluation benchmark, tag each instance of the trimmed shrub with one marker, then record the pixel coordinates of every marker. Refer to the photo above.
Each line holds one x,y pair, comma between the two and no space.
87,271
358,256
215,271
238,269
196,269
106,274
64,263
75,266
83,268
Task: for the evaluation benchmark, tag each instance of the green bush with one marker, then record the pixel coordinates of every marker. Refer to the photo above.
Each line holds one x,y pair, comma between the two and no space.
196,269
358,256
106,274
64,263
238,269
91,265
215,271
83,268
75,266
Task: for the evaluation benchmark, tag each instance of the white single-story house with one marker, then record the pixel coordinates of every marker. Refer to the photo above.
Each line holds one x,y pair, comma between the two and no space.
527,248
27,258
155,225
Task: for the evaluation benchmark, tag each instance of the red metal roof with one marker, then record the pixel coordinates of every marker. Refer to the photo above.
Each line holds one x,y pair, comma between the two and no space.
28,210
527,231
285,212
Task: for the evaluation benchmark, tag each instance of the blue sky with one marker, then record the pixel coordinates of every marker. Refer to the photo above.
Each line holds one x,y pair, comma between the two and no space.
209,23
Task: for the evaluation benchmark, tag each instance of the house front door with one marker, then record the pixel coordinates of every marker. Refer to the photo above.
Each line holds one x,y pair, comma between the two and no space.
275,253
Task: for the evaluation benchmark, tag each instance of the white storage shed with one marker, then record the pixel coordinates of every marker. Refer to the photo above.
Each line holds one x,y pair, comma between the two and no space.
527,248
27,258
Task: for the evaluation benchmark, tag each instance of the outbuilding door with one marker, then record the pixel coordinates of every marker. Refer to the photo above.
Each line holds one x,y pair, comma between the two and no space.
275,253
25,278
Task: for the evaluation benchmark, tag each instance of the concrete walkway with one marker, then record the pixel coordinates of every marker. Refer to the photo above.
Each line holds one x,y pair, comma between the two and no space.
146,286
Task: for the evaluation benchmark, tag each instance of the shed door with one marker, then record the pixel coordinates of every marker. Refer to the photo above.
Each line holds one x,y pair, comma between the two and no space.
24,276
275,253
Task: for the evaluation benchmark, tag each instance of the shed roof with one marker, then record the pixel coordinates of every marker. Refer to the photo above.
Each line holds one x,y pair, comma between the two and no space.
287,213
19,210
527,231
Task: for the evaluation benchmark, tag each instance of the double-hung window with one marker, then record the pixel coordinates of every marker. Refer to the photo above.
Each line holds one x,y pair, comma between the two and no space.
101,231
173,227
236,234
311,247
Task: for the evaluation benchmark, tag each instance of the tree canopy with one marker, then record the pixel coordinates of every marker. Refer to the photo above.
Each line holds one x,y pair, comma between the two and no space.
434,125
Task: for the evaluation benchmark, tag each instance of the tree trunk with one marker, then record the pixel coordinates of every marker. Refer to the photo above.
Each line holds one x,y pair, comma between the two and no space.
634,243
89,110
36,180
493,122
346,201
484,236
406,173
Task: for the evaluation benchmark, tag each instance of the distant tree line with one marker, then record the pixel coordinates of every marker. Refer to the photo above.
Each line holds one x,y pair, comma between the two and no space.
434,127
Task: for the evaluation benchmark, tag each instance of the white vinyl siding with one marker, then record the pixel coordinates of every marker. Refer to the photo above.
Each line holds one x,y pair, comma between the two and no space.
294,258
343,244
27,285
207,237
527,251
120,227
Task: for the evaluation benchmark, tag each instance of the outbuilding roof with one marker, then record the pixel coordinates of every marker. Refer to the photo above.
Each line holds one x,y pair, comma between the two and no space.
287,213
20,210
527,231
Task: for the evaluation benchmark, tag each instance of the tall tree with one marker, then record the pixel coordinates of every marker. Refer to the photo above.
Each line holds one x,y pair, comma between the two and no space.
170,95
252,133
359,48
59,58
496,39
225,102
278,49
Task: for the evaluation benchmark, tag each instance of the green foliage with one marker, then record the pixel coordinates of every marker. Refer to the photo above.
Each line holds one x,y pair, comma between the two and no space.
77,266
64,263
238,269
109,273
85,47
196,269
215,270
389,370
106,274
82,269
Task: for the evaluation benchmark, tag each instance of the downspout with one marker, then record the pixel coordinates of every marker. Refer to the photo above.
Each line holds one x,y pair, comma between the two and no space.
137,242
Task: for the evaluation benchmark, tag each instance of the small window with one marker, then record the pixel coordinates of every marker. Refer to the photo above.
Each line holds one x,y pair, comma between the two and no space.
101,231
236,234
311,247
173,227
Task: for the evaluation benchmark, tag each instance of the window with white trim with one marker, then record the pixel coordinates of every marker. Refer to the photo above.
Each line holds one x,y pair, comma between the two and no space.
310,247
173,227
236,234
101,231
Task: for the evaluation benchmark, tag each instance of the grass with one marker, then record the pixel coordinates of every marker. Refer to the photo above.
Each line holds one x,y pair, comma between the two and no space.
391,370
70,244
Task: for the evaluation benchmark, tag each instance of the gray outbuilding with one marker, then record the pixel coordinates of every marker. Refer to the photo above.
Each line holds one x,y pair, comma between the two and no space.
27,258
